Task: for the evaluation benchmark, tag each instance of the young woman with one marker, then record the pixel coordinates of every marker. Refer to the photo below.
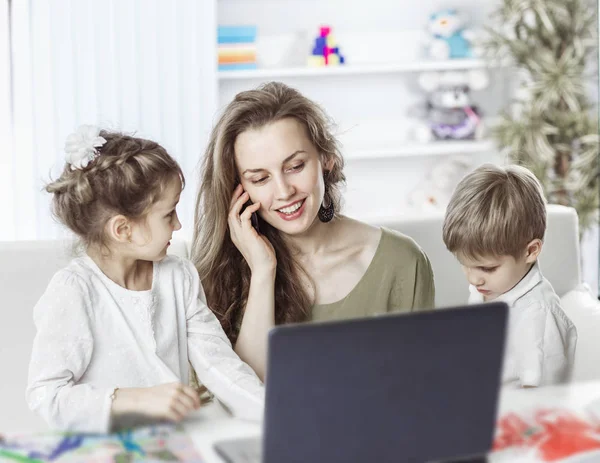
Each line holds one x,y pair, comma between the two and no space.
270,244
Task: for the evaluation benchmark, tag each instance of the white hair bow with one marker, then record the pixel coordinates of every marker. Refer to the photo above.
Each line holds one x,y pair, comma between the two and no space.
81,146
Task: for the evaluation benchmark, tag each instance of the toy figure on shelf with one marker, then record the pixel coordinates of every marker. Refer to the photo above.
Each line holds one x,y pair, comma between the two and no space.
449,112
325,51
450,38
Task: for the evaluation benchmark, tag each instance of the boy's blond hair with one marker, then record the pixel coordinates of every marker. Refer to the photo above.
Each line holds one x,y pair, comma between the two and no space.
495,211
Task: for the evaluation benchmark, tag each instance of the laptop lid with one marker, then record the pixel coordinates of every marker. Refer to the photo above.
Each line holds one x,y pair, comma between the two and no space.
416,387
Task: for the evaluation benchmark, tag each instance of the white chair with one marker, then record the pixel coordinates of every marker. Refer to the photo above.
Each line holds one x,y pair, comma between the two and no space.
560,260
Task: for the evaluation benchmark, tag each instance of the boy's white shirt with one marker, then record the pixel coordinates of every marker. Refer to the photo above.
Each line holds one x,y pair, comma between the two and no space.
541,339
94,335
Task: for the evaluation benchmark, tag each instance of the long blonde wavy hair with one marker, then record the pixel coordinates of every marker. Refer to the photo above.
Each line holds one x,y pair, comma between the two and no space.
224,273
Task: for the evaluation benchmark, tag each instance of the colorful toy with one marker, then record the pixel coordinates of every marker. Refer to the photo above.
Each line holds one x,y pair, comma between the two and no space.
325,51
161,442
449,113
550,434
450,38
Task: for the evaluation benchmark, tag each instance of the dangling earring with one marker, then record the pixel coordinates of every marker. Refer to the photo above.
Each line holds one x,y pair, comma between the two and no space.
326,213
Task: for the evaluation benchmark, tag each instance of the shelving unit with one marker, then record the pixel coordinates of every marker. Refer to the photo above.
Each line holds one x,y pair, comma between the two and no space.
404,215
356,70
439,148
371,98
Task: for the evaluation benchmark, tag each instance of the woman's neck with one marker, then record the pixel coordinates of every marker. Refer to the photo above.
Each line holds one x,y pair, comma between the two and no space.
127,272
317,239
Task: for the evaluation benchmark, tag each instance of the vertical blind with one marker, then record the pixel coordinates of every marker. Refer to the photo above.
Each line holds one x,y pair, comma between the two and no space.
139,66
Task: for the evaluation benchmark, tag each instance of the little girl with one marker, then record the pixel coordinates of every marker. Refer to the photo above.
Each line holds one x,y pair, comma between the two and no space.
117,327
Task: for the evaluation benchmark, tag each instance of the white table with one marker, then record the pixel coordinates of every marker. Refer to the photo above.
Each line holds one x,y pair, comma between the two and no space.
212,423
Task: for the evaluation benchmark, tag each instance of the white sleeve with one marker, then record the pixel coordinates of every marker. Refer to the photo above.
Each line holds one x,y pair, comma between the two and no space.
529,346
560,340
542,348
217,365
62,350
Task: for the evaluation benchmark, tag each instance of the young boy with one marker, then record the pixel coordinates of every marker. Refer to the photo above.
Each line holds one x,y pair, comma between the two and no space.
495,225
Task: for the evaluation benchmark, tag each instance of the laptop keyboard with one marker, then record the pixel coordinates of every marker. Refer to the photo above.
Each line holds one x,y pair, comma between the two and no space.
247,450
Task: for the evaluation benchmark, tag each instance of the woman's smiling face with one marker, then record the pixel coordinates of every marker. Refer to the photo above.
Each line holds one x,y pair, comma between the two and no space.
280,168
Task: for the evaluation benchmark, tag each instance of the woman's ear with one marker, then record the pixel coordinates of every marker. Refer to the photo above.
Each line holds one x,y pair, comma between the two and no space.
327,164
533,250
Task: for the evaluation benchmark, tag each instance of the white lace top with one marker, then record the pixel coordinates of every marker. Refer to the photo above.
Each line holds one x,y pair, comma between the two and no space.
94,335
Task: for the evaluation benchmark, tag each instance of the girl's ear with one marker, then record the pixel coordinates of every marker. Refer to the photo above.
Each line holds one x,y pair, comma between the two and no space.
533,250
118,228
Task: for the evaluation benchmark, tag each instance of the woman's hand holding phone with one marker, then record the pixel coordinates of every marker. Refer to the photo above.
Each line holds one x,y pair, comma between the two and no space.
256,249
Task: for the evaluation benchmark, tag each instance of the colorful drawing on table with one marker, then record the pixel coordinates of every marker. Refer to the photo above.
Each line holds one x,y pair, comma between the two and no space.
548,435
149,444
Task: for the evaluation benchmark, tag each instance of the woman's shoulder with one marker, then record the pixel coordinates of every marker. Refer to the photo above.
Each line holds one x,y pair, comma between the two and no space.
393,241
357,233
385,243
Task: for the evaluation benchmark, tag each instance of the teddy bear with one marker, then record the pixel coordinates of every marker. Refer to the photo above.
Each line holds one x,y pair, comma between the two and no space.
449,113
450,39
433,192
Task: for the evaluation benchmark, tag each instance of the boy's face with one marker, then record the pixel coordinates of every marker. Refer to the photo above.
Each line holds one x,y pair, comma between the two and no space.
493,276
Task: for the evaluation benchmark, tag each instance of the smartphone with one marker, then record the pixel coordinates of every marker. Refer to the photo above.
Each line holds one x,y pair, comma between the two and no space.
253,217
254,221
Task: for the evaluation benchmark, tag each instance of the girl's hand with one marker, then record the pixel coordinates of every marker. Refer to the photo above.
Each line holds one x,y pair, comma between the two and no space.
256,249
171,401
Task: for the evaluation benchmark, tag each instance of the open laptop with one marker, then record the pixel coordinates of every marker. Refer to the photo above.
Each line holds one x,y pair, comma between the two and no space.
419,387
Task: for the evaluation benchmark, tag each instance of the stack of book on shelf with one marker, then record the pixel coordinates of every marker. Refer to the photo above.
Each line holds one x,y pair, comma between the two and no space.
237,47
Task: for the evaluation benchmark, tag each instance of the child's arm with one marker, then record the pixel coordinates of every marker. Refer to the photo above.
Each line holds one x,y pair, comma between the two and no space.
529,338
145,405
217,365
543,341
62,350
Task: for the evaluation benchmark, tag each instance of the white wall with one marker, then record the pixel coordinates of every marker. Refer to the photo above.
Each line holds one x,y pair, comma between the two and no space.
275,16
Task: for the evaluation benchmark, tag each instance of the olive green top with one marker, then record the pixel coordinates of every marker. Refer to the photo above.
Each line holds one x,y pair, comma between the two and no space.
398,279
